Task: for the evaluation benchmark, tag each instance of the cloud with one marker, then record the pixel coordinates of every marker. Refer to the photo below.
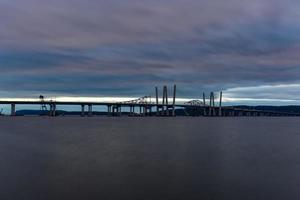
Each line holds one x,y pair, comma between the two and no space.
95,47
284,94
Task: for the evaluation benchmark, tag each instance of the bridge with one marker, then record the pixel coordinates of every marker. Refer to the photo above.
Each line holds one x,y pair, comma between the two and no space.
145,106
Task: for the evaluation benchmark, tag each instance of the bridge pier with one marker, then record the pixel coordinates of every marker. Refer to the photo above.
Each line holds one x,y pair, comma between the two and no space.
116,111
140,110
156,99
213,101
130,111
204,111
109,110
220,105
119,108
52,111
13,109
113,110
90,110
204,105
165,101
232,113
210,105
174,100
82,110
167,111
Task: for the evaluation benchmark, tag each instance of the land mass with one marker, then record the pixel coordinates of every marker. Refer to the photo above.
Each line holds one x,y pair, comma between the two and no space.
179,112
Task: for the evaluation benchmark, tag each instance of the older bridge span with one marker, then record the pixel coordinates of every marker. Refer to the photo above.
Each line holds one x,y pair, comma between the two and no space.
147,106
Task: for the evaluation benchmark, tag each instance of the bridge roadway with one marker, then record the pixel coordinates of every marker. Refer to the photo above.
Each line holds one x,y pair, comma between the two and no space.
145,109
113,108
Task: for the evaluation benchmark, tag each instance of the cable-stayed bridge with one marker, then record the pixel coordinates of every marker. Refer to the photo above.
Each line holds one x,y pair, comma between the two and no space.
149,106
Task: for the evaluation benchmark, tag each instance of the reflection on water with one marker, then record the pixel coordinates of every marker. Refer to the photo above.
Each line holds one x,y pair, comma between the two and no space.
149,158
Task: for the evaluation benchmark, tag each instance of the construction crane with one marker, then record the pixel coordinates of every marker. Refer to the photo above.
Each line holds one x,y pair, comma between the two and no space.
141,100
43,105
195,102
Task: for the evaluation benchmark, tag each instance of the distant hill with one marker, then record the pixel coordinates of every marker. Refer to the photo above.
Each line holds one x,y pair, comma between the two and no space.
288,109
285,109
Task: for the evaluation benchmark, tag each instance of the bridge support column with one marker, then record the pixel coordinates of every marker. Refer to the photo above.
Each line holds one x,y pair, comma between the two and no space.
13,109
113,110
144,110
157,107
213,103
258,114
52,111
165,109
204,105
205,111
90,110
140,110
220,105
210,105
108,110
82,110
174,99
119,110
233,113
131,113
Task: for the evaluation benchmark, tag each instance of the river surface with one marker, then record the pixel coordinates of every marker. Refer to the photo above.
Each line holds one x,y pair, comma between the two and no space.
149,158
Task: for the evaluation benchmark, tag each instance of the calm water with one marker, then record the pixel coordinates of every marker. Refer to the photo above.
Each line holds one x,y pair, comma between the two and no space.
149,158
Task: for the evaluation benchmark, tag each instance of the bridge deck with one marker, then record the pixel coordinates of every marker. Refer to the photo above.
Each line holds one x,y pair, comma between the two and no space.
83,103
140,104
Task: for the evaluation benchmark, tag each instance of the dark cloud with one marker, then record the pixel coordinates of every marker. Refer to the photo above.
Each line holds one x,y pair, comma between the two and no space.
94,47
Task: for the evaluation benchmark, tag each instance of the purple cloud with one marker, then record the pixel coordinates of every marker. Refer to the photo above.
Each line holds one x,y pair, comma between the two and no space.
200,45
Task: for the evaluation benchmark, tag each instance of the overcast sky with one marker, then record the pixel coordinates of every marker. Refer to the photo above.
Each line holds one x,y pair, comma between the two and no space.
248,49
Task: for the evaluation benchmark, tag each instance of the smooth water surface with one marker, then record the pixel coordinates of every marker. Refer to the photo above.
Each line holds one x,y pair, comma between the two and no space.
149,158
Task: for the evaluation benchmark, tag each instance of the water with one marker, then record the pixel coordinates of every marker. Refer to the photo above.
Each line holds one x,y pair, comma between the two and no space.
149,158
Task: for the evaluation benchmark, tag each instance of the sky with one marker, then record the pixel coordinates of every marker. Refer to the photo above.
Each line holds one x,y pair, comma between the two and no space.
124,48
